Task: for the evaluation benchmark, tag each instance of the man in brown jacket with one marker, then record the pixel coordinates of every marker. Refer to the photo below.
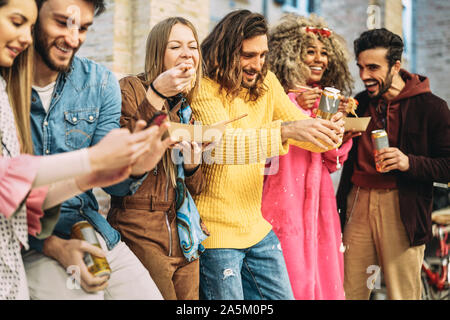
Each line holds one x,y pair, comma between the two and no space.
388,214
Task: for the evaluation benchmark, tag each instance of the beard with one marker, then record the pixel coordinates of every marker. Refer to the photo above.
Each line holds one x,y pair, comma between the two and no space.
253,83
42,47
384,85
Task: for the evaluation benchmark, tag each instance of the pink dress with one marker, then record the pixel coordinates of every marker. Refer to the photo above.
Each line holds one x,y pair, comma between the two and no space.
299,202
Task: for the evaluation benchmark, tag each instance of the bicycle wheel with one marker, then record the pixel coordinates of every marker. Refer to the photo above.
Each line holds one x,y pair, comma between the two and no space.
426,288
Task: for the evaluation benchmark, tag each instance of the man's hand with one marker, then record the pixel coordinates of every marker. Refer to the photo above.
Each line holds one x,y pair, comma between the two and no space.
308,98
313,130
156,147
392,159
70,253
350,135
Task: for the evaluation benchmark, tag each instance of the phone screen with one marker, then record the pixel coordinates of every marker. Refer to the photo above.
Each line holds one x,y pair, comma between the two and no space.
157,119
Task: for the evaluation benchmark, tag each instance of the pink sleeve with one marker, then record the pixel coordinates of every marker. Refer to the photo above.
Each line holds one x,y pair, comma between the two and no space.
293,97
16,178
330,157
34,209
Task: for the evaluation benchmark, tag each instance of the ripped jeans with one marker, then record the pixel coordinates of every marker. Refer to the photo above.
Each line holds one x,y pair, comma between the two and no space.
255,273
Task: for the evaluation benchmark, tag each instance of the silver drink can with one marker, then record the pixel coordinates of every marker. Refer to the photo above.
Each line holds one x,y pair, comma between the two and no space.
380,141
329,103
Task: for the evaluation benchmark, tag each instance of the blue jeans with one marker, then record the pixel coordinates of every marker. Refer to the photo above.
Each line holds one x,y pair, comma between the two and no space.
254,273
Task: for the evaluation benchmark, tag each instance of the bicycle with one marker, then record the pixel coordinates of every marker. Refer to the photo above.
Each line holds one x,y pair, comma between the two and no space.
435,272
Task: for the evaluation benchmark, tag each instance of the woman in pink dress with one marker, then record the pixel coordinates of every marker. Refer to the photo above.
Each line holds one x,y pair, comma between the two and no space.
299,199
29,184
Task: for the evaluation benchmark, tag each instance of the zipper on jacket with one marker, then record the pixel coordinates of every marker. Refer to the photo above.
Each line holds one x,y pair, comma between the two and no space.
167,221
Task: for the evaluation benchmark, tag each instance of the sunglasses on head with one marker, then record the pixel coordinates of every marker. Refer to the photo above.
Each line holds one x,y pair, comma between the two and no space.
324,32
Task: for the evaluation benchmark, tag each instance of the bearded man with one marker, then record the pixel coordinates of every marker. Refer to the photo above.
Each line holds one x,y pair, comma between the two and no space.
75,102
387,214
243,257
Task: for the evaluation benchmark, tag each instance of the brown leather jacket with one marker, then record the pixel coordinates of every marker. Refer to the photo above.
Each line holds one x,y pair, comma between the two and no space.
156,194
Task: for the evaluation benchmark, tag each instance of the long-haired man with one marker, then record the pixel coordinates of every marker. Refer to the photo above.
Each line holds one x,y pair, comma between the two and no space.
243,258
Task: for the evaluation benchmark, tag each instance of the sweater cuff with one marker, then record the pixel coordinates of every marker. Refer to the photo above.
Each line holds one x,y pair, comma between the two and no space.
35,211
17,176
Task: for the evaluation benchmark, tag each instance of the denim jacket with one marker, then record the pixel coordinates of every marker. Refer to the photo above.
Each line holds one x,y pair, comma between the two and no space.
85,106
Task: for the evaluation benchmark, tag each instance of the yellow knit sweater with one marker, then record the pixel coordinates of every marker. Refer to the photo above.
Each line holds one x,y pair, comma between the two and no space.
230,204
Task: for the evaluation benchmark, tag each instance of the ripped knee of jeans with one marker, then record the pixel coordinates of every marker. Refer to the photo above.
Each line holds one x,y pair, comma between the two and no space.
228,273
278,247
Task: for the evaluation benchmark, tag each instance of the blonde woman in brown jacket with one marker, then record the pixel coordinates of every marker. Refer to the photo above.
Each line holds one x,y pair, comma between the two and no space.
147,220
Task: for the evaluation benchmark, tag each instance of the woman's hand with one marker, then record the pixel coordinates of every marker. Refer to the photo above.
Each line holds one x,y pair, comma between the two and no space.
175,80
102,178
308,98
343,104
192,154
118,149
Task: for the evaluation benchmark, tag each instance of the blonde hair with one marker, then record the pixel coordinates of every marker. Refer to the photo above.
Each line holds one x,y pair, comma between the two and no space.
18,79
288,43
154,65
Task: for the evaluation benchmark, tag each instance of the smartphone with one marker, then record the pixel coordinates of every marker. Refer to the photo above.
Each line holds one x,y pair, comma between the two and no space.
157,119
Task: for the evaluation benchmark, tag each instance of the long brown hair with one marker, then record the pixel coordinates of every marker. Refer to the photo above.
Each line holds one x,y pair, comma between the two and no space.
288,43
156,48
18,79
154,65
222,49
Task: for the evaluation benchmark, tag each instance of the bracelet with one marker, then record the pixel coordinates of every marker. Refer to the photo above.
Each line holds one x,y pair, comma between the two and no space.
157,92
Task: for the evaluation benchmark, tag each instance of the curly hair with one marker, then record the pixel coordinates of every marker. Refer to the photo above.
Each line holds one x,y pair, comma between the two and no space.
222,49
288,43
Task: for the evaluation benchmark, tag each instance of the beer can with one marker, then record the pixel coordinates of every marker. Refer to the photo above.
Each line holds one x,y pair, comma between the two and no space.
329,103
380,141
97,266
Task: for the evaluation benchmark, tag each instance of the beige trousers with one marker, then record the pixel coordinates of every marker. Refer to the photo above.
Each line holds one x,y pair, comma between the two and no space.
47,279
376,240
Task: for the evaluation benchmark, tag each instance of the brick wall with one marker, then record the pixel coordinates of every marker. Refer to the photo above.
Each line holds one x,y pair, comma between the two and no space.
432,44
117,38
100,38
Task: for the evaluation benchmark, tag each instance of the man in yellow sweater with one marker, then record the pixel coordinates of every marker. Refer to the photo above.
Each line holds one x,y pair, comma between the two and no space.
243,258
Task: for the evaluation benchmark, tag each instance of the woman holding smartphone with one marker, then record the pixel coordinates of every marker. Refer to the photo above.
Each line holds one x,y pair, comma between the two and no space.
149,221
30,184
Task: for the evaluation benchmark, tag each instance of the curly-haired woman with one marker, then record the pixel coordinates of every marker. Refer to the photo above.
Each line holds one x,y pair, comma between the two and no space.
299,199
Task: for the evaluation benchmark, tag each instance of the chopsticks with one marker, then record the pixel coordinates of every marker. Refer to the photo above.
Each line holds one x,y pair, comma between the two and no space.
308,88
225,122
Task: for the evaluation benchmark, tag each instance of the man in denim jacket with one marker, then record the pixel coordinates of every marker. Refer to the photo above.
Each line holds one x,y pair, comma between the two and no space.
75,102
